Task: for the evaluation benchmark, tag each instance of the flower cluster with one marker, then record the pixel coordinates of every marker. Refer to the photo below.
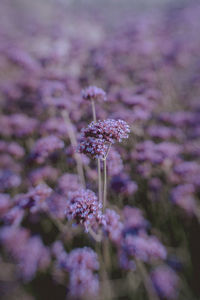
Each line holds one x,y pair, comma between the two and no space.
46,146
94,93
83,207
109,130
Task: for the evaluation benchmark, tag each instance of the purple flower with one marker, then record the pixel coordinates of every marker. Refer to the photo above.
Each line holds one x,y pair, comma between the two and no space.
94,93
46,146
83,207
35,198
68,183
112,225
146,248
5,203
9,179
114,162
107,130
183,196
123,184
12,148
82,258
83,284
42,174
165,281
95,148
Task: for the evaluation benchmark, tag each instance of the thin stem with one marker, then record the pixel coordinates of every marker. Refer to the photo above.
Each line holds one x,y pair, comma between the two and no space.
99,180
73,141
93,111
96,236
105,184
152,295
105,178
98,160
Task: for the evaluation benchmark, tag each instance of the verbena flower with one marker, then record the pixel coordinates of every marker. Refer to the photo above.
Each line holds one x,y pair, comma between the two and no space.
83,283
45,146
94,93
165,281
93,147
82,258
83,207
108,130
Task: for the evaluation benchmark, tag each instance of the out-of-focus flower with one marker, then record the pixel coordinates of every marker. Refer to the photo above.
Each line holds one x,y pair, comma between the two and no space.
114,162
46,173
123,184
12,148
94,93
165,281
46,146
82,258
68,183
183,196
83,283
9,179
112,225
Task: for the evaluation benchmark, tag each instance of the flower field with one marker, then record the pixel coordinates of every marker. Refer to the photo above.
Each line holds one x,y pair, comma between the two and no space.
99,150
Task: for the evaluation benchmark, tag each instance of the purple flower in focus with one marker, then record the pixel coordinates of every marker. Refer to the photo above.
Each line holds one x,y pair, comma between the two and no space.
83,207
109,130
95,148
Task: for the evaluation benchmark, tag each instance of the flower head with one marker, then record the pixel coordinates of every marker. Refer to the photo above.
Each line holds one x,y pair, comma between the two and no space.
84,208
93,93
108,130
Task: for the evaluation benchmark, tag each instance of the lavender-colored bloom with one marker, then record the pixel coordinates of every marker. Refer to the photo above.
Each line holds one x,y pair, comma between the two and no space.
133,219
29,252
8,180
14,239
5,203
14,216
18,125
123,184
164,132
94,93
61,255
34,256
109,130
146,248
68,183
12,148
155,184
112,225
35,198
165,281
94,148
56,205
83,207
83,283
82,258
183,196
42,174
55,126
114,162
46,146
